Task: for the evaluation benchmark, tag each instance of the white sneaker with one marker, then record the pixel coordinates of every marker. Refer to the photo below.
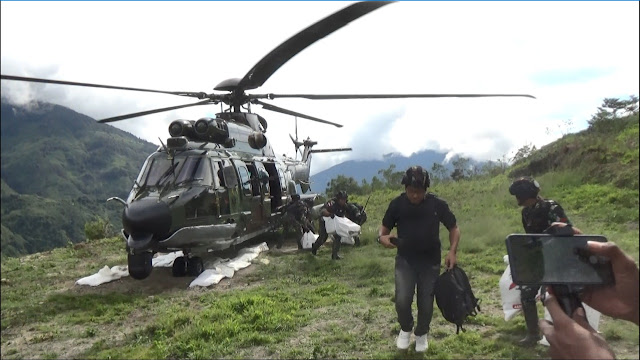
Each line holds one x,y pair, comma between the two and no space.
402,342
421,343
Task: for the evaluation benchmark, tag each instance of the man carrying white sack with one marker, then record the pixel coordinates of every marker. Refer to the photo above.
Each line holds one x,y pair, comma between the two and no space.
337,206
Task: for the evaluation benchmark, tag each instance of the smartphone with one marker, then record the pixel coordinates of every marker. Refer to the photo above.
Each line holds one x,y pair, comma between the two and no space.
542,259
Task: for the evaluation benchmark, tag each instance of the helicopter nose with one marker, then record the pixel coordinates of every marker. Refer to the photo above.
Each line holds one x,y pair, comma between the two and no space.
147,216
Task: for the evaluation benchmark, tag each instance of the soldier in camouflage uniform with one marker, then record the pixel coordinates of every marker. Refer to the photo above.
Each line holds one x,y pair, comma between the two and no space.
337,206
296,216
539,216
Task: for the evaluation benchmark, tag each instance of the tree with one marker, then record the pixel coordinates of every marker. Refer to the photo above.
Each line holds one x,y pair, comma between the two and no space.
392,178
463,167
523,152
457,174
100,228
438,171
348,184
608,111
376,184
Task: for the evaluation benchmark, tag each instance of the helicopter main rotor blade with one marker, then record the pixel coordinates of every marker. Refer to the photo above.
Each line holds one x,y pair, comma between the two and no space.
388,96
142,113
199,95
293,113
288,49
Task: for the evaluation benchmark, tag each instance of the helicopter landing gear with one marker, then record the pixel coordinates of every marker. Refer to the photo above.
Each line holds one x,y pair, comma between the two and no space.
140,265
195,266
179,268
183,266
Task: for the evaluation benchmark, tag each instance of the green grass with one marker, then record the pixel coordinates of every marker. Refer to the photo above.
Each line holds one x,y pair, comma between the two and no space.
298,305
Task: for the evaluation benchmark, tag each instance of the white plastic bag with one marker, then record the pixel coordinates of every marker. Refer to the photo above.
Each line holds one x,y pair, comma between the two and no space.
341,226
509,293
308,239
349,240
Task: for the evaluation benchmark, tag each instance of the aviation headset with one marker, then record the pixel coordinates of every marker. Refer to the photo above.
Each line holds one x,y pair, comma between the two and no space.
525,187
295,197
416,176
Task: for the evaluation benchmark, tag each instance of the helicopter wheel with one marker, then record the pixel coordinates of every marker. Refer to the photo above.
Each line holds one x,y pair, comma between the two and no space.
140,265
195,266
179,268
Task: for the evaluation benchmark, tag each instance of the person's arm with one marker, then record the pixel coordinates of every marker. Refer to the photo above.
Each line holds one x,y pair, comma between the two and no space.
384,237
327,209
572,338
619,300
450,259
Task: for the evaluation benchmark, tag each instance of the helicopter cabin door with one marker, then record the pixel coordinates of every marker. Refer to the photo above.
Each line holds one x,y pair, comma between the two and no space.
250,193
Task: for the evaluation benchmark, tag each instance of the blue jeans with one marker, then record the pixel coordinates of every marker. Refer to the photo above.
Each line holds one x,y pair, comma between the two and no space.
408,277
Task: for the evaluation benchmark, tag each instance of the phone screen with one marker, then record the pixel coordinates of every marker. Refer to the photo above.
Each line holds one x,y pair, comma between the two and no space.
537,259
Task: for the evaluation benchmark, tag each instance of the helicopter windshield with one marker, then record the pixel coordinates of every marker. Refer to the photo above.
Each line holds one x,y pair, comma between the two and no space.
181,170
194,169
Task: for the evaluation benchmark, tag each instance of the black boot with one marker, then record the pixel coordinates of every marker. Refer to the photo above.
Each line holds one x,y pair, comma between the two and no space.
531,319
356,240
335,247
314,248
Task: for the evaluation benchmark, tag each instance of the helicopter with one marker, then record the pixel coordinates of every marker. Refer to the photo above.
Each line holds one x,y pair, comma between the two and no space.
217,182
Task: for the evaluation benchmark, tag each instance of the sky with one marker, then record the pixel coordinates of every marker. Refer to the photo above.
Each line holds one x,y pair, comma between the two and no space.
569,55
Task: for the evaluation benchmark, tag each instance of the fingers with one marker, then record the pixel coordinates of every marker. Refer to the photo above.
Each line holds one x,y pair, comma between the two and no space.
619,260
608,249
580,317
546,328
556,312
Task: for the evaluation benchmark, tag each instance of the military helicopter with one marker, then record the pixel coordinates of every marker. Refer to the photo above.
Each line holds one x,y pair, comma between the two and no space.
217,181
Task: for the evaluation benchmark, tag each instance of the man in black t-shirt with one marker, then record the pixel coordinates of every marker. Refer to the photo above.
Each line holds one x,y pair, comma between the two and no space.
417,216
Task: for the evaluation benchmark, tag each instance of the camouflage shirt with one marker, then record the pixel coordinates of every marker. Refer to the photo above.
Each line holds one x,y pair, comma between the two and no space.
297,209
334,207
538,218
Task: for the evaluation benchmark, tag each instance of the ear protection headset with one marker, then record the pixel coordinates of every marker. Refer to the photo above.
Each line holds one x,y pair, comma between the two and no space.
525,187
416,176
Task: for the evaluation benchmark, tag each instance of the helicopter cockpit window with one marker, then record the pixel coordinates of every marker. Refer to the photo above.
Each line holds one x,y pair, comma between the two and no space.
160,170
195,169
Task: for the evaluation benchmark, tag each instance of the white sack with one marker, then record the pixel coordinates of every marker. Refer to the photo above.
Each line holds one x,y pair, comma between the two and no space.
349,240
509,293
104,275
341,226
208,277
308,239
166,260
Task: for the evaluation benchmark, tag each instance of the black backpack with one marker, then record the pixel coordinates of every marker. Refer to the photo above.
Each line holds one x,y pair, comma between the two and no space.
455,298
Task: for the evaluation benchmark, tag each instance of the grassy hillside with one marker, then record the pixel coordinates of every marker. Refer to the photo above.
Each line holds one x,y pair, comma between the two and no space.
58,169
290,304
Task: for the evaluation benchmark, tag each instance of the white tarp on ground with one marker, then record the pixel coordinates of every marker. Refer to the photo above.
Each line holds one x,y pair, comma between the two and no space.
221,268
104,275
512,305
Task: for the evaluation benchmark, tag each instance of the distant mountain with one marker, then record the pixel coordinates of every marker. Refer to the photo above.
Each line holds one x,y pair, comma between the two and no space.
58,168
367,169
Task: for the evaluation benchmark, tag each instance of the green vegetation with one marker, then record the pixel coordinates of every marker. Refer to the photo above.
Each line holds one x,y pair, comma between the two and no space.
58,169
291,304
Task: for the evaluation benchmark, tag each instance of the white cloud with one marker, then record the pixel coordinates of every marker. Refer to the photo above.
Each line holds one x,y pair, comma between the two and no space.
570,55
